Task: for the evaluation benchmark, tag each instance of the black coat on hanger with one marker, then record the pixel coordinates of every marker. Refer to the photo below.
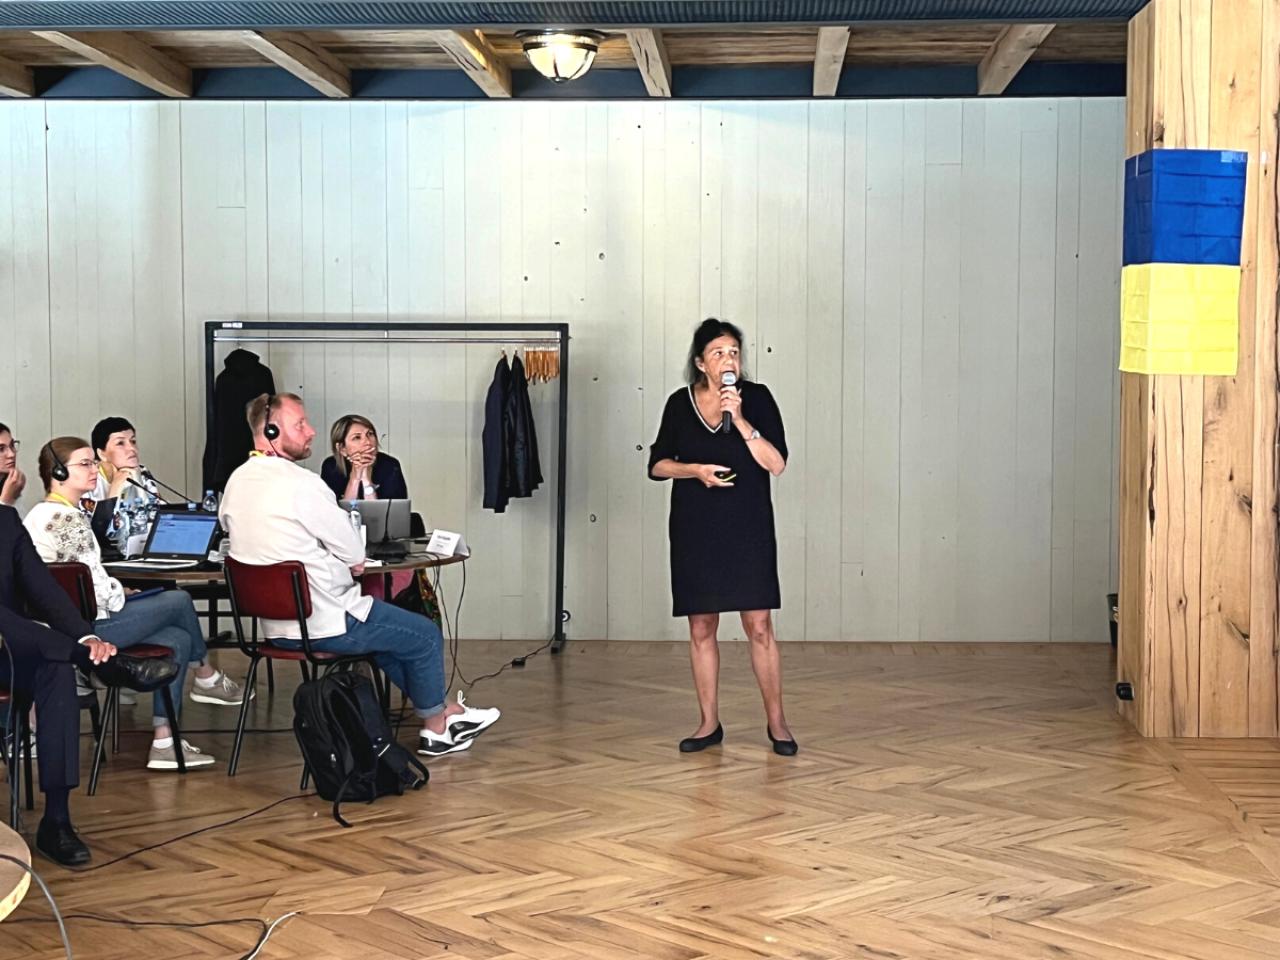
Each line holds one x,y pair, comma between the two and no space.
228,440
525,473
493,439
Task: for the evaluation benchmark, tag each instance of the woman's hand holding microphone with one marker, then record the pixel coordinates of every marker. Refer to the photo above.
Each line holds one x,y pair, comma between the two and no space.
731,402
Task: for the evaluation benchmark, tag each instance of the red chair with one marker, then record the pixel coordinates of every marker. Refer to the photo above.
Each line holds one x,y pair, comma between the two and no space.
277,591
75,579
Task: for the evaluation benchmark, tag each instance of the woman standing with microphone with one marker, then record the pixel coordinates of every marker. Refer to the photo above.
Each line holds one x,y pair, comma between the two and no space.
721,439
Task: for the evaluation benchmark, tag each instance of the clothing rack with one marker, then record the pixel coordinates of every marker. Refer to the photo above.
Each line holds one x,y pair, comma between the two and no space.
521,334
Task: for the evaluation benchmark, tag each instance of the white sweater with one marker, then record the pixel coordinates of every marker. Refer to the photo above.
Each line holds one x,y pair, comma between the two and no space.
62,534
274,510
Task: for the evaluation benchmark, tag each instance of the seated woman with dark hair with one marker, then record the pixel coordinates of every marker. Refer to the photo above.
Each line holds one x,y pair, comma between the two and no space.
124,493
12,479
358,470
61,531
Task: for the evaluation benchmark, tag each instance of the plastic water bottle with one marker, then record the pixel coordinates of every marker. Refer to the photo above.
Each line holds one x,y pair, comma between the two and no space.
124,527
357,522
210,502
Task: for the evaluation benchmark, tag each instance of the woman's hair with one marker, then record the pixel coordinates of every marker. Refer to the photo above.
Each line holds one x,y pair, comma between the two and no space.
708,330
338,435
4,429
57,451
103,429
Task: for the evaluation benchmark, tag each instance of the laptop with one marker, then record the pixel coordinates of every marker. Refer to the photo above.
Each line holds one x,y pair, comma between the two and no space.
386,524
179,537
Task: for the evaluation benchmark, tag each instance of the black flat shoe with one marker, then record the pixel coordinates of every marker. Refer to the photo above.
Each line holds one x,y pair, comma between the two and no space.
59,842
142,674
783,748
694,744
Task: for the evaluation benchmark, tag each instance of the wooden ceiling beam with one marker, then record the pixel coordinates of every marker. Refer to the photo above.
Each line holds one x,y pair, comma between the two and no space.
16,80
126,54
309,62
651,58
473,53
1011,50
828,61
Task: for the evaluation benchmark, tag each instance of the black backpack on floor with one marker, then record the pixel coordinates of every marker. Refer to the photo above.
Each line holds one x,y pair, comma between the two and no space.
347,743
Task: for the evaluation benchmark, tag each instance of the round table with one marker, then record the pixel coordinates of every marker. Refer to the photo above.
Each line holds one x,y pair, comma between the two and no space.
210,584
13,879
187,576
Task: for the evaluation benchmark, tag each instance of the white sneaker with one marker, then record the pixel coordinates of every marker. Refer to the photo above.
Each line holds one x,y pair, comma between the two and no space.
164,758
472,721
438,744
225,692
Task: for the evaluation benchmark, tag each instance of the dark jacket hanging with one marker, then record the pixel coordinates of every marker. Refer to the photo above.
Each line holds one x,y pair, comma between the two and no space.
493,439
525,472
228,440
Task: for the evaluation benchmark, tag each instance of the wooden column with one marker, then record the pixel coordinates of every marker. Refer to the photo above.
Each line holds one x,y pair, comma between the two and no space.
1198,496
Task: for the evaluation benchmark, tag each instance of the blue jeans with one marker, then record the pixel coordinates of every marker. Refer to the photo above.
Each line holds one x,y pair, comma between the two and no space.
166,619
409,650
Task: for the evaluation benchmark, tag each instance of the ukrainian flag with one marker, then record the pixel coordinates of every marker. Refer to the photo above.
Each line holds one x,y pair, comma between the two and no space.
1180,283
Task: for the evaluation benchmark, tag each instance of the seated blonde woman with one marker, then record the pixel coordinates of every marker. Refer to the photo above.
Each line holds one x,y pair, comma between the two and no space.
60,528
358,470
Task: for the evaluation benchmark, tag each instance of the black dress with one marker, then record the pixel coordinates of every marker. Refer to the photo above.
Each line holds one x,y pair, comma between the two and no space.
724,556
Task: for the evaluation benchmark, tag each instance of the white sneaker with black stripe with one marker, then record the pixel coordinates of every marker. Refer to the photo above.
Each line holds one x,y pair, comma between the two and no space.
438,744
472,721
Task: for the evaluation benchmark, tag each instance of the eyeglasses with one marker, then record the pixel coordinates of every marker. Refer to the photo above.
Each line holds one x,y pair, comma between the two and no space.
10,447
90,464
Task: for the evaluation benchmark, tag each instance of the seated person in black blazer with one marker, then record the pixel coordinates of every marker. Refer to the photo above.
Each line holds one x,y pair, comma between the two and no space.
358,470
39,667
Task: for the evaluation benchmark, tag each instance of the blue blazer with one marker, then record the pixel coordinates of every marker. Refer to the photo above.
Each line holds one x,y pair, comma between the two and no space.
388,478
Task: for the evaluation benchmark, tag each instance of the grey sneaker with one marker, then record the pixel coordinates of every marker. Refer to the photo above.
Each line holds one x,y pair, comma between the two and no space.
164,758
226,693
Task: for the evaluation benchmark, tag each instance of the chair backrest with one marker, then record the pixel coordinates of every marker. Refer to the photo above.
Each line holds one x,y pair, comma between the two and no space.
271,591
77,582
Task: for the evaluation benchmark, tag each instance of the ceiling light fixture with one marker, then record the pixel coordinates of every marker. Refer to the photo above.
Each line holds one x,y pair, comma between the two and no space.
561,55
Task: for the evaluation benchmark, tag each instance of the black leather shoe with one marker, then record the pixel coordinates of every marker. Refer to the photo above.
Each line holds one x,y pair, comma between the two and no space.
783,748
142,674
59,842
694,744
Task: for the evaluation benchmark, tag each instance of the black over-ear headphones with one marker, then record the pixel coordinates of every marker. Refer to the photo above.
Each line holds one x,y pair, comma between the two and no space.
59,471
269,429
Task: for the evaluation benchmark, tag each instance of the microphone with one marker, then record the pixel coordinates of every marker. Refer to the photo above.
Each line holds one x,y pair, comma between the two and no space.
148,475
727,379
147,490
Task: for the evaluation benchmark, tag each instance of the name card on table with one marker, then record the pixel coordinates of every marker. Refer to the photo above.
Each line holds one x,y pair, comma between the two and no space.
443,543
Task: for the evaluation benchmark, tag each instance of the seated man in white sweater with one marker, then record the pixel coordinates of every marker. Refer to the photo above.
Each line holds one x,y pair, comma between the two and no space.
274,510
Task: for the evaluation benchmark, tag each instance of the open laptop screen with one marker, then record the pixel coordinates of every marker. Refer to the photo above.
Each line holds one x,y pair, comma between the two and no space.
186,534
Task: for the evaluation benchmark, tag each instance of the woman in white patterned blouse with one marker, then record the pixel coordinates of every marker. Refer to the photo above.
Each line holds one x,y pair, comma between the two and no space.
61,531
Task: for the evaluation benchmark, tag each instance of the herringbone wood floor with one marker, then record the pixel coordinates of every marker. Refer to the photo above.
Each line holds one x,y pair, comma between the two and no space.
948,802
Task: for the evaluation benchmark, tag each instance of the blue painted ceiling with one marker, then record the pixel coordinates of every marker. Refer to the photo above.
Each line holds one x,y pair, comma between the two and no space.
340,14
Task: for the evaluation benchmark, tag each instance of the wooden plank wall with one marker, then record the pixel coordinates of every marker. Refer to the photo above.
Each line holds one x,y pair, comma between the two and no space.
929,287
1198,473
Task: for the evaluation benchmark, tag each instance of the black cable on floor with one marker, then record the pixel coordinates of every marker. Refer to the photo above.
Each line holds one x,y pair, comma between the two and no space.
193,833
